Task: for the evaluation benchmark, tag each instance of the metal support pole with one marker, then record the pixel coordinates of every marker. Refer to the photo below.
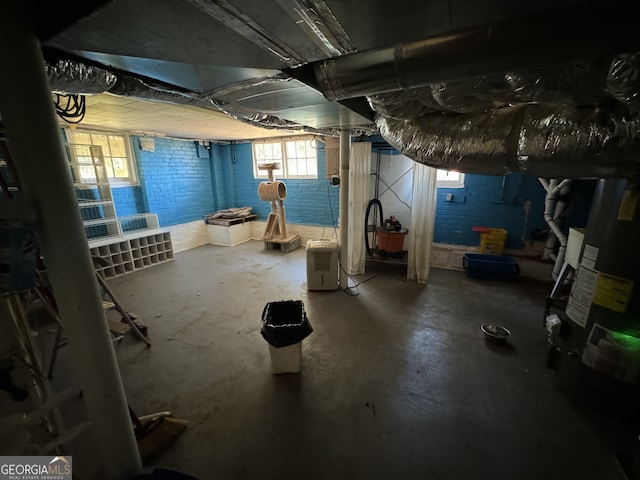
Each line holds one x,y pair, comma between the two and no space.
345,145
42,168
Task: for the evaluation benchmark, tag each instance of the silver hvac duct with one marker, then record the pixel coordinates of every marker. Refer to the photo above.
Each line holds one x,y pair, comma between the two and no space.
587,30
533,139
69,76
623,80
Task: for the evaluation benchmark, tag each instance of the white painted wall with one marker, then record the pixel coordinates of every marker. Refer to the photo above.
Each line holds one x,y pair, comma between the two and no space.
188,235
195,234
229,236
396,188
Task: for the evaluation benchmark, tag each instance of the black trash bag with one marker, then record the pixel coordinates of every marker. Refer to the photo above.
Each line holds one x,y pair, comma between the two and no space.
285,323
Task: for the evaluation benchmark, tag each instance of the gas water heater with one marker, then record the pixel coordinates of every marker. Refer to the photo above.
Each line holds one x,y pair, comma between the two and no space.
602,334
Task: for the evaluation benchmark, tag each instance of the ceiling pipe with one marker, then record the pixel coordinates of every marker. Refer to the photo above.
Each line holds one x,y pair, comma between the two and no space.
584,31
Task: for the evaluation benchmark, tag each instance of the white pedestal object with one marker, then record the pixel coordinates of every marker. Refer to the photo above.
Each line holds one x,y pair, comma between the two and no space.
229,236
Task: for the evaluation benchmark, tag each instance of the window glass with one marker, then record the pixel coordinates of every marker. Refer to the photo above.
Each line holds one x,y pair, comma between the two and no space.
297,157
450,179
118,161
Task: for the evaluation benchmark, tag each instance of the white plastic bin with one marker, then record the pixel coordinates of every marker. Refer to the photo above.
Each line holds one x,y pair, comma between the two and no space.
286,359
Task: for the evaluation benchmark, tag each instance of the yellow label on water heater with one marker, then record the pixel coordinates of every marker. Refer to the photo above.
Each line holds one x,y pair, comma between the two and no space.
628,205
612,292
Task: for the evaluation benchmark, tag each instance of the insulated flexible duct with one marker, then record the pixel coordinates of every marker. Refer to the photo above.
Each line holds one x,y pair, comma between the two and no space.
68,76
136,88
582,126
475,143
405,103
579,143
576,85
623,80
74,77
576,143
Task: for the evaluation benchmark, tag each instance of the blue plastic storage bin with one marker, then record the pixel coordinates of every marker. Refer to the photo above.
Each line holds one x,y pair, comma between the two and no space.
490,267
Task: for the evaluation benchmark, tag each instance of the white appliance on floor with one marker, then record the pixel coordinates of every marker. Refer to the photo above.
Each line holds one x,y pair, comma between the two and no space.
322,265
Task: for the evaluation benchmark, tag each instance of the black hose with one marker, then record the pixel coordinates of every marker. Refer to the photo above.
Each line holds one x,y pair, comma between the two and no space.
375,201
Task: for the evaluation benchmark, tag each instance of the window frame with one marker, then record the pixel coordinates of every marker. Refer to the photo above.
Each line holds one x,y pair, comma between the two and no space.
132,179
283,172
457,183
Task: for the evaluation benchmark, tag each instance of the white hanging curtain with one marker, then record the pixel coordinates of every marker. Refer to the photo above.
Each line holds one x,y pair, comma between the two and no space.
359,173
423,214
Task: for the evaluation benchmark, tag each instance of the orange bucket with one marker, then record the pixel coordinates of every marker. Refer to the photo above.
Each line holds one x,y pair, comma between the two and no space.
391,242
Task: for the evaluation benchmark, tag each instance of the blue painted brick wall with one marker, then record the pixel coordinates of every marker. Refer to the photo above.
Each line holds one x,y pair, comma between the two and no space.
175,183
498,202
480,203
309,201
180,187
485,200
219,157
490,201
128,200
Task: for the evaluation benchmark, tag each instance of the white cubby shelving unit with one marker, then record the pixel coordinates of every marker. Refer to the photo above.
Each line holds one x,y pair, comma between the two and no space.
133,251
127,243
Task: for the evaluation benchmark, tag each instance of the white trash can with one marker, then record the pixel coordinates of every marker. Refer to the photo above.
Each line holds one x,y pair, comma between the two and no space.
286,359
284,326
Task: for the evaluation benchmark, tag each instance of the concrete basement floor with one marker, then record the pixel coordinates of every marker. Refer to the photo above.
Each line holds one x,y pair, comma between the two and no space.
397,382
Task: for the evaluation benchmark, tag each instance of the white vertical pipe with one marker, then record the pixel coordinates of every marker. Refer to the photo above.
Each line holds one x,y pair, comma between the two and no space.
549,202
41,165
553,189
561,206
345,145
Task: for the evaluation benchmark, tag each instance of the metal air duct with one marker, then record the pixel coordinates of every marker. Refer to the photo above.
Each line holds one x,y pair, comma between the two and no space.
582,32
70,76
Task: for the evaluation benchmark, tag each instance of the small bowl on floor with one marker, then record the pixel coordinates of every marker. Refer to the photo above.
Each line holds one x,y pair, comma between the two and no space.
495,333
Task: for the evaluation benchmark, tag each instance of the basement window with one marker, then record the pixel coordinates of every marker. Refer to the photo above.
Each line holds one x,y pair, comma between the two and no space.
450,179
116,149
297,157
